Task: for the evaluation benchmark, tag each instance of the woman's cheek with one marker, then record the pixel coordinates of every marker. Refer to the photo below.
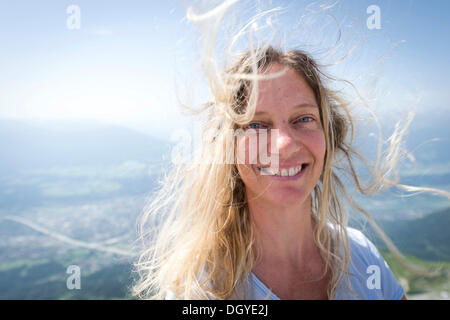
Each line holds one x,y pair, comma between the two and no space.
314,140
321,144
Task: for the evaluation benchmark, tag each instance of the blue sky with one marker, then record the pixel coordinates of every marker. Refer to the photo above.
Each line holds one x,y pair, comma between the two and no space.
130,59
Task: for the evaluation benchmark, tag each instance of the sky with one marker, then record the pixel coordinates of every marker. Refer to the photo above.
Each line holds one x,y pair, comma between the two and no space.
132,62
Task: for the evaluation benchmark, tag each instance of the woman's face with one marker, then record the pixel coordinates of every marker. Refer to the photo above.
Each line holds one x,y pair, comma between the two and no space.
288,104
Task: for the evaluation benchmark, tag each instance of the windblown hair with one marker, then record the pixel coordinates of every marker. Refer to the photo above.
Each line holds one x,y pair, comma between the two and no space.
201,244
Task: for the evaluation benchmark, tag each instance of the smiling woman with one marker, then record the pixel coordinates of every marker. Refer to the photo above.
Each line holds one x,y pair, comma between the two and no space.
242,229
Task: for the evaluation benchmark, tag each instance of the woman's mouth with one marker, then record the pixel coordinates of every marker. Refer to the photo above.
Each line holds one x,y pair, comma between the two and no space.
284,173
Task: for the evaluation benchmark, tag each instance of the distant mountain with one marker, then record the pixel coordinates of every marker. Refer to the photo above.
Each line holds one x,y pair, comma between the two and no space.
427,164
426,238
69,162
427,139
35,145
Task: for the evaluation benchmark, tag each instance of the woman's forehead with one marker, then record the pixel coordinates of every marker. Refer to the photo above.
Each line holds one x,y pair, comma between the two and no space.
287,89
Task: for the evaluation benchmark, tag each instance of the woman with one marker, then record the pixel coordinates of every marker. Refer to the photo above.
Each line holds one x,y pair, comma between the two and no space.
238,227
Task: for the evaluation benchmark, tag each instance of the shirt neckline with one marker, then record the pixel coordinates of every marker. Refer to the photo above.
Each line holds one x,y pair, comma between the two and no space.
263,289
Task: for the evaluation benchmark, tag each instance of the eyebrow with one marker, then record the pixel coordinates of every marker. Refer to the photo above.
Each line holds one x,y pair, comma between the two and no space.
302,105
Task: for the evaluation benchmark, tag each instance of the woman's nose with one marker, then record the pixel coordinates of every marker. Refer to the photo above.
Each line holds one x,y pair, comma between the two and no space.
286,143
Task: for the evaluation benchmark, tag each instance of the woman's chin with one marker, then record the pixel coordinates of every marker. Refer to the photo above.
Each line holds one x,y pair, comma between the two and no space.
287,197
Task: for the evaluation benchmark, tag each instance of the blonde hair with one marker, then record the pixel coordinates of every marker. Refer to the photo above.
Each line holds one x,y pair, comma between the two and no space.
201,234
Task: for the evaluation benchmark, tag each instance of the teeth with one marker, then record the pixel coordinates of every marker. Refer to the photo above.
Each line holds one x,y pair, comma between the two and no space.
266,171
284,172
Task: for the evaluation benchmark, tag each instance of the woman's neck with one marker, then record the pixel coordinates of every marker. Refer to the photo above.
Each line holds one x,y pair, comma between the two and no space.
288,260
284,235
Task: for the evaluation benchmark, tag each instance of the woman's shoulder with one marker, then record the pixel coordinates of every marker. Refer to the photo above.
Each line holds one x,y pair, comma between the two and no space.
369,273
361,246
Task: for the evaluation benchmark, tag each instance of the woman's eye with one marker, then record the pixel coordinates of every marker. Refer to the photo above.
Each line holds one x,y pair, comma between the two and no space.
255,125
305,119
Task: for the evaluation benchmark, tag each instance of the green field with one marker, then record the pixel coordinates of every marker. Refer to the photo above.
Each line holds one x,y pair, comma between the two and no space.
46,279
419,286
